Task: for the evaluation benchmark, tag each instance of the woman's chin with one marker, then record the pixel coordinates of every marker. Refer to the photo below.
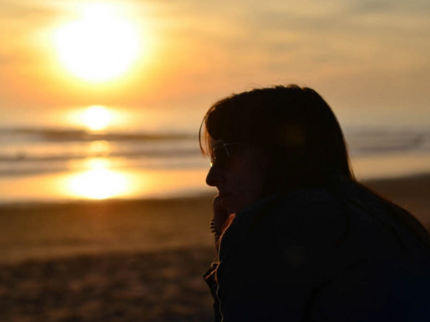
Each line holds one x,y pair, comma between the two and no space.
227,202
232,204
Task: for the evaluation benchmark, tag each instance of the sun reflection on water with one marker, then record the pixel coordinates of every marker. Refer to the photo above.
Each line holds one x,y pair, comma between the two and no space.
99,182
99,148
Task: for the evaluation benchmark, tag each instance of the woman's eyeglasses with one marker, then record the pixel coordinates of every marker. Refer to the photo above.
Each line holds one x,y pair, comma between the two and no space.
220,154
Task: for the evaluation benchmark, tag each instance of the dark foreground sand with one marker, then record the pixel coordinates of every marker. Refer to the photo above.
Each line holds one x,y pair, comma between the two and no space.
106,261
124,260
159,286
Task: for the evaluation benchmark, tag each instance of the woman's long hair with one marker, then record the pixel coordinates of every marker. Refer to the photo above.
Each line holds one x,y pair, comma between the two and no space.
301,140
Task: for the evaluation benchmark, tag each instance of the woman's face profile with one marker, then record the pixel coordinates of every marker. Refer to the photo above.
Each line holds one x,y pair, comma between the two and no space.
240,184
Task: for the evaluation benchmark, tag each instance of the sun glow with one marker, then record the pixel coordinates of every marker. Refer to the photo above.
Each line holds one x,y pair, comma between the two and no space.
97,117
99,47
99,182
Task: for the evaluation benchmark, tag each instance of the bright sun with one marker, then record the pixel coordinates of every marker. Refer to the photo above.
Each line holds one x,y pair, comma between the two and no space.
99,47
97,117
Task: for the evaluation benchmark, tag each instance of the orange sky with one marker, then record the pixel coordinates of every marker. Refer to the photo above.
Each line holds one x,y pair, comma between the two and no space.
362,56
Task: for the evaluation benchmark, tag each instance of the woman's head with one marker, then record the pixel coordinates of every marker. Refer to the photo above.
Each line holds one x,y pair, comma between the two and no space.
288,138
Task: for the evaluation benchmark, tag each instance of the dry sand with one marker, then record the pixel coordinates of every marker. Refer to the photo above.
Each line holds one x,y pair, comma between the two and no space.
412,193
124,260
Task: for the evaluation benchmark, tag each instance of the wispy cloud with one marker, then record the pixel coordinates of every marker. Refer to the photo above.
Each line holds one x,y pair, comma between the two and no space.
20,11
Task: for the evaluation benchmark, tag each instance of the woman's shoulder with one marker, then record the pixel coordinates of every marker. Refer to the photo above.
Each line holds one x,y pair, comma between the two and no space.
310,194
310,216
308,206
321,206
328,214
352,217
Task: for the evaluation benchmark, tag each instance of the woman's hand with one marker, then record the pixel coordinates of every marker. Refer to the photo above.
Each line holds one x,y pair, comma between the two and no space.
220,214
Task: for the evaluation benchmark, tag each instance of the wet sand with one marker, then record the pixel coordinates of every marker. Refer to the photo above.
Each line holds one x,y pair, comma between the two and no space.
124,260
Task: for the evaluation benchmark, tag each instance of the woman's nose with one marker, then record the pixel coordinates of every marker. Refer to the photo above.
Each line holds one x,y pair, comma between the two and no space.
214,176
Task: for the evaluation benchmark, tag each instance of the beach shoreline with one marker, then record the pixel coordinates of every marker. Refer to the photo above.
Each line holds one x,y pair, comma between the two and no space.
38,230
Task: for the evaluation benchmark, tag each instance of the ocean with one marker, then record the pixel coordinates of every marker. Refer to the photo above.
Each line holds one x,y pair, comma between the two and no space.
55,165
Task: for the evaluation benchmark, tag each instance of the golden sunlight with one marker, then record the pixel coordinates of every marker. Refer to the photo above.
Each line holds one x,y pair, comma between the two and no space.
97,117
99,182
99,47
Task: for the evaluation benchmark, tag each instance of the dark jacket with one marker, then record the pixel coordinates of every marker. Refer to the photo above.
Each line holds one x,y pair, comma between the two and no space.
312,255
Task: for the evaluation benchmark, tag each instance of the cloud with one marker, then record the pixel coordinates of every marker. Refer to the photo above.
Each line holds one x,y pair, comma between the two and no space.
6,59
389,6
22,11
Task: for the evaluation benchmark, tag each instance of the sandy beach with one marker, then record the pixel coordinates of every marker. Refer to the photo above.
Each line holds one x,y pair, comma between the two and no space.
412,193
124,260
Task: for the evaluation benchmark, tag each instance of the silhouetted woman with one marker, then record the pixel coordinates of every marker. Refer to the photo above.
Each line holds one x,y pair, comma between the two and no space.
299,238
